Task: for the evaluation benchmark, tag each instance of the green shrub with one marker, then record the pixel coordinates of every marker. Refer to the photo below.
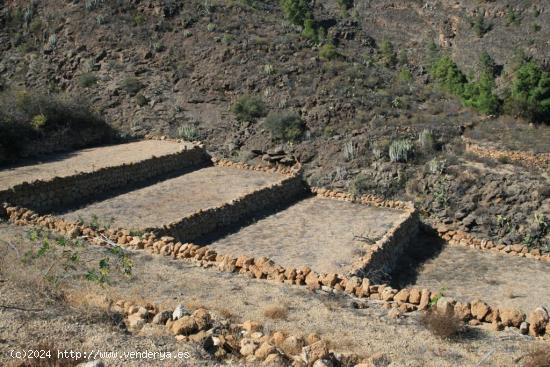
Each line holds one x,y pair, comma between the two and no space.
388,56
401,151
479,26
188,132
345,4
328,52
297,11
447,74
405,75
249,108
29,118
426,140
87,80
132,86
530,92
479,95
286,126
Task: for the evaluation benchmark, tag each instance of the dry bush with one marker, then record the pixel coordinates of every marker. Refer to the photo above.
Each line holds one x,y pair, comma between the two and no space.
276,312
540,357
442,325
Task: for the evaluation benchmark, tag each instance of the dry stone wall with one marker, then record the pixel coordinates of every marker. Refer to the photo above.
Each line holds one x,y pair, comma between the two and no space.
204,221
381,258
541,160
48,195
398,301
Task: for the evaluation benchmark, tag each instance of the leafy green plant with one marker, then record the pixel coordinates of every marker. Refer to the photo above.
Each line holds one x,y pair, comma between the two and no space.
479,25
328,52
297,11
287,126
448,76
249,108
426,140
401,151
440,294
87,80
359,185
350,150
188,132
530,92
388,56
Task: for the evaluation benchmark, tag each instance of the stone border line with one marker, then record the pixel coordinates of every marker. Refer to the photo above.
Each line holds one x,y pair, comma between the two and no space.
541,160
381,258
536,323
460,238
48,195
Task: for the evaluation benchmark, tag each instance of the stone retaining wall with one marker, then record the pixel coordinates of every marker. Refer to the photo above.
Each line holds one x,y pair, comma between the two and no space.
541,160
381,258
207,221
461,238
48,195
535,323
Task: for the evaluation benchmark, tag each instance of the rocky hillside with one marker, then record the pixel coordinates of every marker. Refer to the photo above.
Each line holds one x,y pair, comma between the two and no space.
350,94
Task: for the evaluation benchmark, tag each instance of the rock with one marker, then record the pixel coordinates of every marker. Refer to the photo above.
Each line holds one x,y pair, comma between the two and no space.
161,317
445,306
248,347
202,318
264,350
186,325
292,345
387,294
315,351
479,309
251,326
179,312
136,321
424,299
275,360
323,363
462,311
538,320
414,296
524,328
511,317
277,338
402,296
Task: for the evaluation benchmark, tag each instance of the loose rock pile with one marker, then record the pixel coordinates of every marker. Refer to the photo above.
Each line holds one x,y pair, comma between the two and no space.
220,337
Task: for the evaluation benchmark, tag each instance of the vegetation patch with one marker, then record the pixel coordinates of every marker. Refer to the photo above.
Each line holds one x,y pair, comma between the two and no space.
286,126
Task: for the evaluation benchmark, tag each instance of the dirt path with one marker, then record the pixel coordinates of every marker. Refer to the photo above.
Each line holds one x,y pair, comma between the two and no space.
315,232
175,198
498,279
87,160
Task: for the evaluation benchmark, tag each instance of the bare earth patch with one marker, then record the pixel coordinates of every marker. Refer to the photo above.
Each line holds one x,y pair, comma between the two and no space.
315,232
176,198
87,160
507,281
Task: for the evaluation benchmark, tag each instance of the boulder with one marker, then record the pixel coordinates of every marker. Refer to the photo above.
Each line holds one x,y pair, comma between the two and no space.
185,325
511,317
264,350
275,360
179,312
315,351
424,299
479,309
445,306
136,321
463,311
414,296
402,296
538,320
161,317
251,326
248,347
